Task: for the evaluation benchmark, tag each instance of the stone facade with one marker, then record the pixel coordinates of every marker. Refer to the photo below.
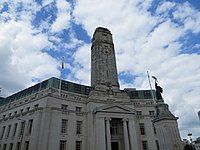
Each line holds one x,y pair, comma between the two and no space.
100,117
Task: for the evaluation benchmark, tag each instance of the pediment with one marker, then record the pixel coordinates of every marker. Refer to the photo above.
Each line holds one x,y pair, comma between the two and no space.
115,108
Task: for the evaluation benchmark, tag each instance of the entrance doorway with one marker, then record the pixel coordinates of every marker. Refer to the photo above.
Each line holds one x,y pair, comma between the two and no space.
115,145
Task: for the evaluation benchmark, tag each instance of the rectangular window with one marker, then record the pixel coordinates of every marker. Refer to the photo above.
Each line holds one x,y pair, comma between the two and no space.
63,145
2,132
113,128
28,108
144,145
36,106
78,109
147,95
11,146
18,146
10,114
26,145
151,113
78,145
21,131
64,107
30,125
139,113
21,111
14,130
157,144
142,128
64,126
79,127
8,131
15,112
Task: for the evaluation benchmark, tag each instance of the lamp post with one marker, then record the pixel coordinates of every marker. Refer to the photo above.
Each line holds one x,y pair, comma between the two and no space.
22,132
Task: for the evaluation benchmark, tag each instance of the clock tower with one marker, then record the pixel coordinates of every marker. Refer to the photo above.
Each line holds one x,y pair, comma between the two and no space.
103,62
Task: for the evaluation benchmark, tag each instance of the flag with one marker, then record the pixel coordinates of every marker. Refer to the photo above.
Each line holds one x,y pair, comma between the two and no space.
154,78
63,63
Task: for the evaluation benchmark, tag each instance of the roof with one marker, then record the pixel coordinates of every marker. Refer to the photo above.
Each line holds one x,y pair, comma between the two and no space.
71,87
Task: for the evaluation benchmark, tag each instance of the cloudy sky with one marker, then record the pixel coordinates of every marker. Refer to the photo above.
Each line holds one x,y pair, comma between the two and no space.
162,37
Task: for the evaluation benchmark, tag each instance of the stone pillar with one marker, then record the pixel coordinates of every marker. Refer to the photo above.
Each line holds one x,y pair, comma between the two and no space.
108,138
126,138
100,143
133,135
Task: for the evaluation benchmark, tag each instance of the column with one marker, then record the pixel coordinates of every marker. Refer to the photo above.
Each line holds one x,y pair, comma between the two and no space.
133,135
100,142
108,138
126,138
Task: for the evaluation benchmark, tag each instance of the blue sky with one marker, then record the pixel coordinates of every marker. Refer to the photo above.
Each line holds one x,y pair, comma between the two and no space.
162,37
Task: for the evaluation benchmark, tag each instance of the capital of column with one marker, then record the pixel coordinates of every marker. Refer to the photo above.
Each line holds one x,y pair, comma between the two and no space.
108,119
125,119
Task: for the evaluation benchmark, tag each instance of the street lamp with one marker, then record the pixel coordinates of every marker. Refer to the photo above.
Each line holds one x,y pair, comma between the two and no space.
22,132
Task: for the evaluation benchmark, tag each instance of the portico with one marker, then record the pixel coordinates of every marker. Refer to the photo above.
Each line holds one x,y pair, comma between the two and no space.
115,128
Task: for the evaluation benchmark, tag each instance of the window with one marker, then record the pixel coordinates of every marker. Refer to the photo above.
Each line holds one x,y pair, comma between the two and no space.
18,146
79,127
4,116
36,106
144,145
157,144
151,113
113,128
21,131
63,145
142,129
134,94
28,108
8,131
77,88
11,146
15,112
10,114
14,130
30,124
78,109
78,145
154,129
139,113
21,111
2,131
147,95
64,126
26,145
64,107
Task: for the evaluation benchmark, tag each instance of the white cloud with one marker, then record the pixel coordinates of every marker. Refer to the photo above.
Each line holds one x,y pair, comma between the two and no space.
81,66
21,57
63,16
189,16
165,7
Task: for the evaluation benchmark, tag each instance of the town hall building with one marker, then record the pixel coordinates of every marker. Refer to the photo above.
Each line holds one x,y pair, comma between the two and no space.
96,117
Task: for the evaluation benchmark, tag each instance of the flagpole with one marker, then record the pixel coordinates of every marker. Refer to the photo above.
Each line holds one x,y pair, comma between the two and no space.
151,88
62,67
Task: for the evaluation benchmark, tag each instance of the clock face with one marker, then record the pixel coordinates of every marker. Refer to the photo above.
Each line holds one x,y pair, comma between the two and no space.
107,51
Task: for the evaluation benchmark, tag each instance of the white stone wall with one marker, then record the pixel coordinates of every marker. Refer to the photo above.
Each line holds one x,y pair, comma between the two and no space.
46,130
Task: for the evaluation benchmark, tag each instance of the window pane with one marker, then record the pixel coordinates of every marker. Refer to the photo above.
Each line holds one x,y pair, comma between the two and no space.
78,145
63,145
79,127
64,126
142,128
